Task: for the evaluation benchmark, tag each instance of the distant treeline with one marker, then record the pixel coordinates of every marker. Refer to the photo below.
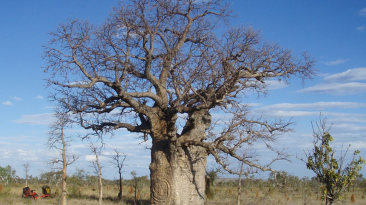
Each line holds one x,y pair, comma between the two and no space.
281,181
80,178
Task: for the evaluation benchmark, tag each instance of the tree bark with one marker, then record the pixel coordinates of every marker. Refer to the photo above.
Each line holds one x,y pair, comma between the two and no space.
177,174
239,183
63,191
64,169
100,201
177,171
120,185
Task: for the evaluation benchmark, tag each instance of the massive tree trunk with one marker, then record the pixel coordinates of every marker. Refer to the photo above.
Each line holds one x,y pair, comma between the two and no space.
177,174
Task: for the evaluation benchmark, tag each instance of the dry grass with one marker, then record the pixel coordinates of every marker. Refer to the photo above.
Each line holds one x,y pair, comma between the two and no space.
11,195
256,196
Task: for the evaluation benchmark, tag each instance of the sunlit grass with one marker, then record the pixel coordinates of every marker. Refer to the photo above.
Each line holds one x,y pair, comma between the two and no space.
223,195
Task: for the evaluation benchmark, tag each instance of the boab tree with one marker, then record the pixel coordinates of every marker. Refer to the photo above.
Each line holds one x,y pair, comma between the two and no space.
118,161
154,61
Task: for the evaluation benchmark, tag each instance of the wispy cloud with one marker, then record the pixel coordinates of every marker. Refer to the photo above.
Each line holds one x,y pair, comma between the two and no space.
333,116
337,88
275,84
343,83
336,62
348,128
356,74
39,97
38,119
362,12
313,109
92,158
314,106
17,99
7,103
361,28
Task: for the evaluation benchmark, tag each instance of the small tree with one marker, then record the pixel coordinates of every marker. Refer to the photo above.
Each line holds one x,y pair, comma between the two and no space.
335,178
26,169
246,171
59,141
118,160
97,151
239,181
7,174
51,177
211,177
136,183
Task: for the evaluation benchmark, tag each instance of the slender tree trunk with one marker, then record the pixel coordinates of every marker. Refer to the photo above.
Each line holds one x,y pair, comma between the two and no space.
177,174
26,167
100,189
63,192
120,186
135,192
98,170
64,170
239,183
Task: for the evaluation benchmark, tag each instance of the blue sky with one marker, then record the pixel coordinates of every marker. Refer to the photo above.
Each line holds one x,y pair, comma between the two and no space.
333,32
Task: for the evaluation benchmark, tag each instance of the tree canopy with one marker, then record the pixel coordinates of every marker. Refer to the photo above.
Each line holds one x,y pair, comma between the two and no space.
162,67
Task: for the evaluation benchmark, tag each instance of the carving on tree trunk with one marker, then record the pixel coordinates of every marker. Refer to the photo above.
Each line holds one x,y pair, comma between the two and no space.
161,178
179,181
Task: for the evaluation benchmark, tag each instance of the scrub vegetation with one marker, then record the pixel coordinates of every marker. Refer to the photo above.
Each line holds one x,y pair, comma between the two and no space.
83,190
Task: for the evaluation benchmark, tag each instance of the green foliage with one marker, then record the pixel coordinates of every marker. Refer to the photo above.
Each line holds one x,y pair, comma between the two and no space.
284,181
7,174
78,177
74,191
138,182
212,175
329,170
52,177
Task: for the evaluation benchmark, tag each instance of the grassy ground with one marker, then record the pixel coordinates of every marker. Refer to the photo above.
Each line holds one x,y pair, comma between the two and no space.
11,195
255,196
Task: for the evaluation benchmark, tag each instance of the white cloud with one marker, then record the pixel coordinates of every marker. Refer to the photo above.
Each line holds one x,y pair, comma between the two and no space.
337,62
356,74
349,127
90,158
337,88
314,106
275,84
313,110
346,132
361,28
7,103
362,12
38,119
335,84
333,116
22,152
39,97
345,117
358,145
17,98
